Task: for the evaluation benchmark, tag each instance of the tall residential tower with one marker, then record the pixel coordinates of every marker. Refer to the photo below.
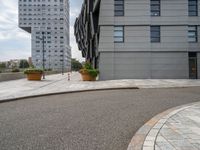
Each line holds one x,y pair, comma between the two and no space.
48,23
141,38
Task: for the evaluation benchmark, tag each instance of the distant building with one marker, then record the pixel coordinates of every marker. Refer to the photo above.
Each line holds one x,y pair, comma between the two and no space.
48,20
141,39
30,61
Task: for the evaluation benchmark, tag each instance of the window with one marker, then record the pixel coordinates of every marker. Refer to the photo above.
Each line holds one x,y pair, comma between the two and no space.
193,7
119,7
118,34
155,34
192,34
155,7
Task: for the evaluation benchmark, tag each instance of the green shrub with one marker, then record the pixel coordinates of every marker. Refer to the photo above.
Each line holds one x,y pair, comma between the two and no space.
93,72
75,65
23,64
87,68
33,71
15,70
48,70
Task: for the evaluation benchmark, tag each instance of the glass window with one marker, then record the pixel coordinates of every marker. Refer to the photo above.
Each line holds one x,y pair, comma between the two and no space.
119,7
118,34
193,7
155,34
192,34
155,7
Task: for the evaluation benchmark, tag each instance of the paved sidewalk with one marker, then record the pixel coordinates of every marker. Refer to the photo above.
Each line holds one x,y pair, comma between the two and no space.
175,129
59,83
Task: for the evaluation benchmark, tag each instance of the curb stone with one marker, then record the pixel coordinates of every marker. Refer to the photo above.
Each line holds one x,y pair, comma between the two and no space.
67,92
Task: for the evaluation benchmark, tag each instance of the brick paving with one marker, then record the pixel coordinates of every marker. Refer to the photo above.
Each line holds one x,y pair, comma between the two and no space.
174,129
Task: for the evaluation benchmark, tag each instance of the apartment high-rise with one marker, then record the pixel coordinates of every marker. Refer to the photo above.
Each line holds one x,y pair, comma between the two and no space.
141,38
48,23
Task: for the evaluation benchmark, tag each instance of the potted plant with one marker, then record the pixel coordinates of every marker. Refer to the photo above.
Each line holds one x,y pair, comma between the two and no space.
88,73
34,74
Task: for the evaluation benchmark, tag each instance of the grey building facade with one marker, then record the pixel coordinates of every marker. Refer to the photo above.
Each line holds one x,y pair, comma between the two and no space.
48,23
141,39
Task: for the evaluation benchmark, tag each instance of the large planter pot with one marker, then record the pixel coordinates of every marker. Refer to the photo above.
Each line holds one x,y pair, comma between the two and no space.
34,76
87,77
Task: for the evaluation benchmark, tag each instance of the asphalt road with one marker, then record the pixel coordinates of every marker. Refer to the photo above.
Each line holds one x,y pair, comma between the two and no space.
103,120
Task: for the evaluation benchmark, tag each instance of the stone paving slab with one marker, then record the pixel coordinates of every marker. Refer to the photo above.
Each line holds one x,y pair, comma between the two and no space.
174,129
59,83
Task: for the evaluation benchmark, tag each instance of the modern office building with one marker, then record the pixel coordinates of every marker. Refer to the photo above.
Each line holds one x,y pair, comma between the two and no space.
141,39
48,23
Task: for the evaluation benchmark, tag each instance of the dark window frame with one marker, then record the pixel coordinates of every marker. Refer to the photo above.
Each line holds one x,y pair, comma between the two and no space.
118,12
154,31
193,12
154,11
119,36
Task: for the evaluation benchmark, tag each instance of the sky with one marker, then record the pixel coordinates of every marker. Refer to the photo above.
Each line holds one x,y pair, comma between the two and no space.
16,43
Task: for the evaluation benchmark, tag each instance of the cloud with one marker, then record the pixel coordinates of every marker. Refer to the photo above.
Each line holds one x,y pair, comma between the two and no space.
16,43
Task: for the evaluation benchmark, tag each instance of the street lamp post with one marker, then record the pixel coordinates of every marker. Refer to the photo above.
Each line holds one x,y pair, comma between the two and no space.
43,64
63,64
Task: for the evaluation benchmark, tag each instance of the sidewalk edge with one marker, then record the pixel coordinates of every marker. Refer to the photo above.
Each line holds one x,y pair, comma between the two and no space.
138,140
66,92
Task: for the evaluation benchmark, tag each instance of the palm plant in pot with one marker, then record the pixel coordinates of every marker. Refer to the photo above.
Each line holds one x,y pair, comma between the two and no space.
34,74
88,73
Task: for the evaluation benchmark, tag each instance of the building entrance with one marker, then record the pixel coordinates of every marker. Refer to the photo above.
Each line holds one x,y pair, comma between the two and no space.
193,65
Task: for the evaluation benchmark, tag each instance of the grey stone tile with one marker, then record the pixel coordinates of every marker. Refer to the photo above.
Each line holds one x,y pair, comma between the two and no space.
181,131
165,146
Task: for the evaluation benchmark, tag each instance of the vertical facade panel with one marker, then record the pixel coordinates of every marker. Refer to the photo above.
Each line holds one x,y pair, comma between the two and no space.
169,65
106,66
198,64
106,12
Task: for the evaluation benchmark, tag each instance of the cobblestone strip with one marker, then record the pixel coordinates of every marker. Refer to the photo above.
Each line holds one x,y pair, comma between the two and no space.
147,135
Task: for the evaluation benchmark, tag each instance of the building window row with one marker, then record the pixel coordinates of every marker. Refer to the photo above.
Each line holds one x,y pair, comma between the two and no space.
119,34
192,34
193,7
38,9
41,1
155,34
155,7
119,7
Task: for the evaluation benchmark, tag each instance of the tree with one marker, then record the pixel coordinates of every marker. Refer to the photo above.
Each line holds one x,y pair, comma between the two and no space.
2,65
23,63
76,65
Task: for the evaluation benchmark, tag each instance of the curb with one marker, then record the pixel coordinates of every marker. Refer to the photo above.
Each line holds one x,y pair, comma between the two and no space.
146,136
67,92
